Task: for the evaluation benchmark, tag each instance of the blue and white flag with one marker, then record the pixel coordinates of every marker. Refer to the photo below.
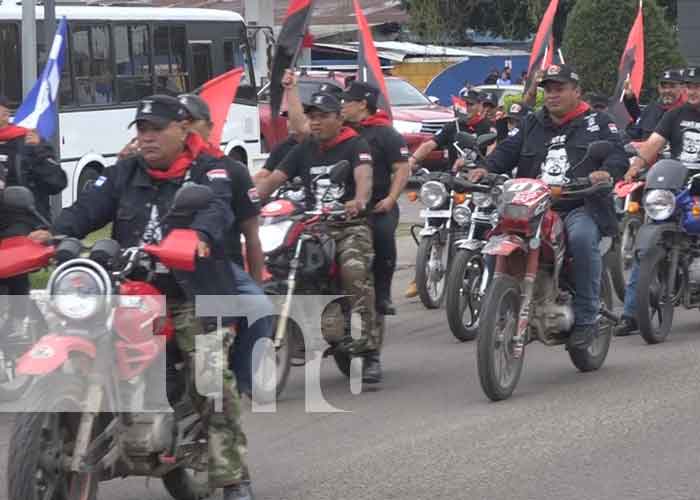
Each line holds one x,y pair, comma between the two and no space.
38,110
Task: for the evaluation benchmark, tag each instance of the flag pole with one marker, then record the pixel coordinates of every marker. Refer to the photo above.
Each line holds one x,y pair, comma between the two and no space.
561,56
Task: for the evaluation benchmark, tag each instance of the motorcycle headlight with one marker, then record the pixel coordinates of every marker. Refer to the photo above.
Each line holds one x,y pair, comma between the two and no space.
660,204
462,215
406,127
272,235
78,294
482,200
433,194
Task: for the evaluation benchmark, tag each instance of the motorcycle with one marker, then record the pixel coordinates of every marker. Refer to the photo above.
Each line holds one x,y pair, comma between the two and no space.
300,260
668,247
19,255
92,415
530,297
437,235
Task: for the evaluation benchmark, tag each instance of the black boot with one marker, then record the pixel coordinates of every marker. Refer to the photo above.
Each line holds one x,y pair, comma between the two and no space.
627,326
372,369
241,491
382,292
385,307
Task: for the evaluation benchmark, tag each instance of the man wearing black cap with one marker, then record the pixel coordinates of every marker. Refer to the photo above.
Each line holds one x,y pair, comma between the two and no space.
133,195
671,95
549,145
489,105
27,161
331,142
679,128
598,102
510,123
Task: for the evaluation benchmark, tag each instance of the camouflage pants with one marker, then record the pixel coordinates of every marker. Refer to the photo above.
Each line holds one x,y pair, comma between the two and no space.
354,253
227,442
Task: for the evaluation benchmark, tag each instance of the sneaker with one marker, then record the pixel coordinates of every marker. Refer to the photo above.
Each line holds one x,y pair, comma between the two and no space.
627,326
412,290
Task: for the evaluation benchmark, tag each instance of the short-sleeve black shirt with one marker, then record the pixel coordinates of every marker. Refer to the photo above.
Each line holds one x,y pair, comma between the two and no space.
681,128
244,203
278,154
388,147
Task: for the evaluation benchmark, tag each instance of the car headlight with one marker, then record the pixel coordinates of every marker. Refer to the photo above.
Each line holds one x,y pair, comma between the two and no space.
433,194
78,294
406,127
482,200
461,214
272,235
659,204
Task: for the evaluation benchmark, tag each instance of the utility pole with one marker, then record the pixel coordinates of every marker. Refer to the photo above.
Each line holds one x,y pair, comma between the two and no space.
28,45
260,13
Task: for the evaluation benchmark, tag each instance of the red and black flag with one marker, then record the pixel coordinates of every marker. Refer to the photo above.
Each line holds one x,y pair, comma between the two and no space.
542,52
631,69
368,67
288,47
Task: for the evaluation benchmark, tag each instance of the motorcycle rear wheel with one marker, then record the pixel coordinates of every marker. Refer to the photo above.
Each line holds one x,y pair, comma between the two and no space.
462,293
655,305
431,292
183,485
39,442
499,370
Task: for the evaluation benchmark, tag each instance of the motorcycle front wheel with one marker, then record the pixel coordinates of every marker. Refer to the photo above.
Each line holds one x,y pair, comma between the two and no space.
654,299
184,484
463,301
499,370
431,271
41,442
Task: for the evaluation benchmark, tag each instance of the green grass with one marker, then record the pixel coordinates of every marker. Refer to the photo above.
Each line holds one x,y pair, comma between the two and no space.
40,278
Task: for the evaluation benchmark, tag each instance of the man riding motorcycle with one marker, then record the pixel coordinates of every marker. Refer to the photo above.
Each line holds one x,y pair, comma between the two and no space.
679,127
133,195
549,145
331,142
25,160
671,91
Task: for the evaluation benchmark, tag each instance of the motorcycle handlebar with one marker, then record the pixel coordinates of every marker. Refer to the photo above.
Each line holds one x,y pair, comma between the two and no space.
582,187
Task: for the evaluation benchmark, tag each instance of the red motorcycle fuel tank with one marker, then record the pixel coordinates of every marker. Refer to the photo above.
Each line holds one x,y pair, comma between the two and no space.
522,203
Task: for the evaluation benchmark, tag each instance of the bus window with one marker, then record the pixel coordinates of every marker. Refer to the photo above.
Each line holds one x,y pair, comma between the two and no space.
202,70
92,65
10,77
131,47
169,60
236,55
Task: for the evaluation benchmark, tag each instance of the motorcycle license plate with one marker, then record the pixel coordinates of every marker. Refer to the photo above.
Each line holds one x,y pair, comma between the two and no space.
441,214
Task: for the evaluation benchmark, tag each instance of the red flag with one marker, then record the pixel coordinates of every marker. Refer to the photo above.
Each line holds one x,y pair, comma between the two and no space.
631,68
219,93
289,45
368,68
542,53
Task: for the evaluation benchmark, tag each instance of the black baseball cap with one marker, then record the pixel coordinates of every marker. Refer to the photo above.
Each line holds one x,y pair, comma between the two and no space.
672,75
472,97
160,110
691,75
489,98
323,101
560,73
518,111
196,107
362,91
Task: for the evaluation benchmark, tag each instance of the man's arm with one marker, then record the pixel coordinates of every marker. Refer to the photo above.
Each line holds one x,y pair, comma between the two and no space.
44,170
397,155
269,184
648,151
419,154
363,188
254,254
215,220
298,124
503,159
616,163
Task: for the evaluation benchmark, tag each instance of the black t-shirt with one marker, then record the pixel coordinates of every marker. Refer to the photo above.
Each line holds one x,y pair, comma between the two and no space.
278,154
308,159
446,137
681,128
388,147
244,204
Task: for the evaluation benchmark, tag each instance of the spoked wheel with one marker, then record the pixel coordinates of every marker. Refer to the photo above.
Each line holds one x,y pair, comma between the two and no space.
271,376
463,301
654,298
628,239
594,355
42,443
431,270
499,367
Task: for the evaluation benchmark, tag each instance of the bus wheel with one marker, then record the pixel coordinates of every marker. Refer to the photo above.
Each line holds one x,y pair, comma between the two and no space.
238,155
87,178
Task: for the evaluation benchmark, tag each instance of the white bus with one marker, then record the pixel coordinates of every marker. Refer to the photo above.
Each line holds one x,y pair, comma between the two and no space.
118,55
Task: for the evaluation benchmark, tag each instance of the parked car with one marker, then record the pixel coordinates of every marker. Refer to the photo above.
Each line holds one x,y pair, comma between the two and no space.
415,115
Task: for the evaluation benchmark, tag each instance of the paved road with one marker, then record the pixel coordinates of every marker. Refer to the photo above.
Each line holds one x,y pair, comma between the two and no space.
628,431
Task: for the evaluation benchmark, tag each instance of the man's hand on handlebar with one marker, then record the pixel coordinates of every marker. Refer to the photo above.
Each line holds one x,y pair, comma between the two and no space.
40,235
477,174
632,173
353,208
599,177
459,163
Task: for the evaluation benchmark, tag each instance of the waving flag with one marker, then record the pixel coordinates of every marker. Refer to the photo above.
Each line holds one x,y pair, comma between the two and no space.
289,45
631,68
543,47
368,67
219,93
38,110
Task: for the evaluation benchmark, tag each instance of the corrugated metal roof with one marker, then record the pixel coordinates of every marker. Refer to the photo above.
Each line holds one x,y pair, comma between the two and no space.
399,51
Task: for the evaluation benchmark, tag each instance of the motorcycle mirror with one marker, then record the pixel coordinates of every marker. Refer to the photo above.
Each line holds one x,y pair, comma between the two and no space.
466,140
598,151
339,172
485,139
18,197
192,197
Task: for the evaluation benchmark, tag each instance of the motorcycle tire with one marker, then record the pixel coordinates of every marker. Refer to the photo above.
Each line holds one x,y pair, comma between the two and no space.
181,485
460,294
593,357
652,266
614,266
499,318
343,361
431,299
52,415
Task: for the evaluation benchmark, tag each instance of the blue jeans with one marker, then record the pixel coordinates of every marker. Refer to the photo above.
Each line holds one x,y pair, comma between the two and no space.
241,359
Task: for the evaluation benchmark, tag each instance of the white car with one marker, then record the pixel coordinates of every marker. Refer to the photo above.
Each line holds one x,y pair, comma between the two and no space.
501,91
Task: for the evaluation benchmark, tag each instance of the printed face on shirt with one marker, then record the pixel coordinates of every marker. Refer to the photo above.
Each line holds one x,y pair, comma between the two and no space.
4,116
324,125
555,167
669,92
161,146
691,146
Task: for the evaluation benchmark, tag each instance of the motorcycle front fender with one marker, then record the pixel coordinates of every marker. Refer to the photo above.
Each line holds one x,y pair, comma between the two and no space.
472,245
51,352
649,235
429,231
505,245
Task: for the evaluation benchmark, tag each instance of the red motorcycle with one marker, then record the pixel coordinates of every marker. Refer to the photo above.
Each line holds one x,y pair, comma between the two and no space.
531,297
95,414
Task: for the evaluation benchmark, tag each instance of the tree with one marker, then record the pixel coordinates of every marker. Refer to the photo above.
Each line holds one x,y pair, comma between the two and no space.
596,34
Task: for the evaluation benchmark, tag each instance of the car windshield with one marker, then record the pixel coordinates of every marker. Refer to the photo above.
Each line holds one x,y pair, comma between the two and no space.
402,93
